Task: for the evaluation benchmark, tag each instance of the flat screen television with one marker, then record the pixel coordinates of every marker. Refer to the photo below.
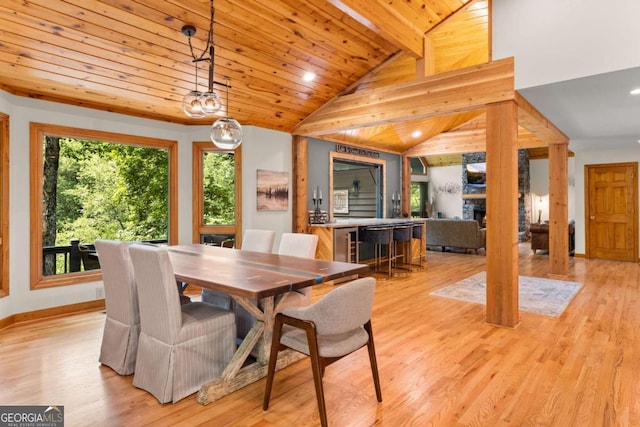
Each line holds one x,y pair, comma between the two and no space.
477,174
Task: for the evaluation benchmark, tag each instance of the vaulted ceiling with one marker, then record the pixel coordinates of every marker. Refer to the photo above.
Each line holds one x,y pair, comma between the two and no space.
130,57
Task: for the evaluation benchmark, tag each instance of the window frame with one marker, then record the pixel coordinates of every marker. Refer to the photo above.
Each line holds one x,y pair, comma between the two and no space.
37,133
198,226
4,204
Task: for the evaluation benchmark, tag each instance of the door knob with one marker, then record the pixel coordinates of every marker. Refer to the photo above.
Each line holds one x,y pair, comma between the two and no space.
592,217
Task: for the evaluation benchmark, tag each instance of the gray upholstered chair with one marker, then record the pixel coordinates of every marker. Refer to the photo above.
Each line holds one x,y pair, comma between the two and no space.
122,325
181,347
303,246
293,244
255,241
252,240
333,327
258,240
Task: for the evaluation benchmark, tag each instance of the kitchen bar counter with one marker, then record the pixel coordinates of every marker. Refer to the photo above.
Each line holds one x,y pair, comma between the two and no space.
337,241
366,222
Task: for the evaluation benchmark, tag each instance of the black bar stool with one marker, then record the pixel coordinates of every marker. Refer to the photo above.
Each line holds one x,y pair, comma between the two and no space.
402,233
379,236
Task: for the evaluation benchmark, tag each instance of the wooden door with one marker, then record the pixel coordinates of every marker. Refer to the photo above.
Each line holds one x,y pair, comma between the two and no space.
611,200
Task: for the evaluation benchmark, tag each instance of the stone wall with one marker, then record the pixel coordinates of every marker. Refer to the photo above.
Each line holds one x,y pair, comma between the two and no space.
476,208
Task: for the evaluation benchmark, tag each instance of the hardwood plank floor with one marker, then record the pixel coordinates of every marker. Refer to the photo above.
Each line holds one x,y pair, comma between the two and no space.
440,363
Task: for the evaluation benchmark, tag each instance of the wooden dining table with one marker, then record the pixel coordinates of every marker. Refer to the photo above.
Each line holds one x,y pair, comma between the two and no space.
257,281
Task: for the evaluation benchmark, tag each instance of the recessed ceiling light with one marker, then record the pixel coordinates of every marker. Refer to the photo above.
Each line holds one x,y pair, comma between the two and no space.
309,76
635,91
416,134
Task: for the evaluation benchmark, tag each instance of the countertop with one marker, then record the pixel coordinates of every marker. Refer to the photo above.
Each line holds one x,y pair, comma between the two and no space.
363,222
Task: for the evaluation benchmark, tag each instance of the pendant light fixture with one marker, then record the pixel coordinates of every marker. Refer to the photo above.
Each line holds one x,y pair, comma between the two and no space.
226,133
195,103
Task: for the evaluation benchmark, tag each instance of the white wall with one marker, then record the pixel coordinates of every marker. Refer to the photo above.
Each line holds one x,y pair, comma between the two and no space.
539,181
262,149
270,150
450,204
594,158
557,40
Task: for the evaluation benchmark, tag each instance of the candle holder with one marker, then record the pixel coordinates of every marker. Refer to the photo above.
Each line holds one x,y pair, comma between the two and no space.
395,206
317,216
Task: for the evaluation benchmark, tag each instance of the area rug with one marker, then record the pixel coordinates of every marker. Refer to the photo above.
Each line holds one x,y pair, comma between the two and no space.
536,295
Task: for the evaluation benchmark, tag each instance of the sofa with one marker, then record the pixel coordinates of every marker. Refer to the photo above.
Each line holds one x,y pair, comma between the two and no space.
540,236
455,233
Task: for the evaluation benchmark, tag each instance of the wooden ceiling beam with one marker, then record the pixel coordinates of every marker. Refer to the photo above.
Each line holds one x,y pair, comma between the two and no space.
452,92
451,143
466,141
386,22
533,121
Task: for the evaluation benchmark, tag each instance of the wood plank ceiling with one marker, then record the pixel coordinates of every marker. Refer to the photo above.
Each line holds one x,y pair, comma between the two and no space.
130,57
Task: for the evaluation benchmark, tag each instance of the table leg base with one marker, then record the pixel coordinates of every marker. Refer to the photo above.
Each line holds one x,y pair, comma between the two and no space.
216,389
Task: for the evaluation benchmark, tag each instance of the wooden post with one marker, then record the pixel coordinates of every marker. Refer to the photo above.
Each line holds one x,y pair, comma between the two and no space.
406,187
502,214
300,160
558,210
426,66
74,255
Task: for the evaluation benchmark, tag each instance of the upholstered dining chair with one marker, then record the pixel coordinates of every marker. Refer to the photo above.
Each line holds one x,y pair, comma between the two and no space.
181,347
303,246
122,325
293,244
252,240
336,325
258,240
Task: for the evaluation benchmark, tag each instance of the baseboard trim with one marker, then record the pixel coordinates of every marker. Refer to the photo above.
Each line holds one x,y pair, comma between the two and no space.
63,310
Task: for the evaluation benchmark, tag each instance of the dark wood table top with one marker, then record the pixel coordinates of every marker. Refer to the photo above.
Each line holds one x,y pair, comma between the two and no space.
253,274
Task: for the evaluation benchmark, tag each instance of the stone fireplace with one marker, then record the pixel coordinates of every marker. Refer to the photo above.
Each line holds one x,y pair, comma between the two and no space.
474,204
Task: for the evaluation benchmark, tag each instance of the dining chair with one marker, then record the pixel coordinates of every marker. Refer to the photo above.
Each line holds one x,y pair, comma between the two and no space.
333,327
181,347
303,246
258,240
252,240
122,324
293,244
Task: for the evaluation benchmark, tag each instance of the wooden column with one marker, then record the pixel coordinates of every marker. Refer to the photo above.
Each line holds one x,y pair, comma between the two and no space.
502,214
406,185
558,210
300,175
425,66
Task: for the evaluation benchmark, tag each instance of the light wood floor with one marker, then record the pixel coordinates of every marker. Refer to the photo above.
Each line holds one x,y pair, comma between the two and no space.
440,364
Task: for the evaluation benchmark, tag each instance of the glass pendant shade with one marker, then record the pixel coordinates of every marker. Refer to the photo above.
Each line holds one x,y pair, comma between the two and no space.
191,104
210,103
226,133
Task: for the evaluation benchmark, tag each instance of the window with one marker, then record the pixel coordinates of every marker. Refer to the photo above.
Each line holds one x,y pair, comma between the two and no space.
88,185
419,199
217,197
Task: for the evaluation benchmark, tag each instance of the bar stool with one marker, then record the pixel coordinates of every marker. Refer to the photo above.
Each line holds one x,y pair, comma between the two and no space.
417,234
402,233
379,236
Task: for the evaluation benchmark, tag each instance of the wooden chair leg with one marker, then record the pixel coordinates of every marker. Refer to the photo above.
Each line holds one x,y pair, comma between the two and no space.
317,369
373,361
275,345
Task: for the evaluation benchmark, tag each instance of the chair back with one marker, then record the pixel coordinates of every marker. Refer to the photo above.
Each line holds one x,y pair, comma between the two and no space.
160,313
344,309
298,244
258,240
120,290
